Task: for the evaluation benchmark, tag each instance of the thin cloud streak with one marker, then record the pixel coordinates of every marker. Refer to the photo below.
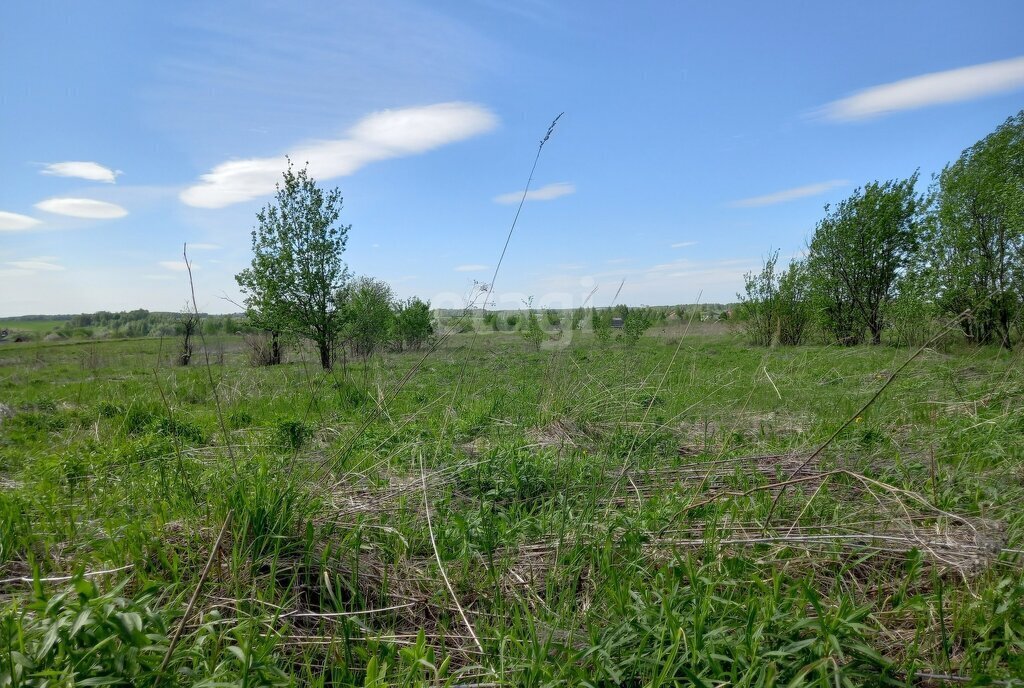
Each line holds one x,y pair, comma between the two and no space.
15,222
379,136
93,171
544,193
35,265
937,88
82,207
177,265
472,268
787,195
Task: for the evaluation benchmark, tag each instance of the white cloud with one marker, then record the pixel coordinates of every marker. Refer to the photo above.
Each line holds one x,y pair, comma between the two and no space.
13,222
474,267
82,170
35,264
789,194
82,207
177,265
544,193
954,85
684,244
204,247
379,136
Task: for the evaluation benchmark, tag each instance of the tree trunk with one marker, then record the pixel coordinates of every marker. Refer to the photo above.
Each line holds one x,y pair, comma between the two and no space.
325,354
275,348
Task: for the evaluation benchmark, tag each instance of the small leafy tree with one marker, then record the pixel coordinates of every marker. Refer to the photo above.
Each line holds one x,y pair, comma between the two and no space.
758,302
976,239
369,315
638,321
793,310
296,277
775,306
858,252
532,331
414,324
492,320
188,326
578,318
601,321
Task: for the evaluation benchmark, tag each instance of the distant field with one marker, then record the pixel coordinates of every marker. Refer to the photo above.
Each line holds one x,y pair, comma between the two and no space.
623,516
36,326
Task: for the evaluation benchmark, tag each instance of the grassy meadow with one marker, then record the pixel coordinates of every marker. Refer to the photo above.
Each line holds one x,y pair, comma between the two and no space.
488,514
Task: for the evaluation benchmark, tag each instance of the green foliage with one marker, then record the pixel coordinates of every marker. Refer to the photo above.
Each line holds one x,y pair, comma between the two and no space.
912,315
578,318
758,303
793,305
292,434
492,320
775,307
532,331
636,322
975,247
297,274
415,324
857,254
82,637
370,321
601,321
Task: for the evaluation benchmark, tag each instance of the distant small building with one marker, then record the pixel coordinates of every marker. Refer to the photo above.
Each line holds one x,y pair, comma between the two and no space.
617,323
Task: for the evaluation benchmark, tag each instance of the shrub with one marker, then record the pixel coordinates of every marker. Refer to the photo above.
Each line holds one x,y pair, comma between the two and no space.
776,307
264,349
532,331
638,321
414,324
292,434
369,319
601,321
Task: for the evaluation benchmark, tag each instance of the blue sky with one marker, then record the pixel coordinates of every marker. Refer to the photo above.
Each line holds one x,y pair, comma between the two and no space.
695,137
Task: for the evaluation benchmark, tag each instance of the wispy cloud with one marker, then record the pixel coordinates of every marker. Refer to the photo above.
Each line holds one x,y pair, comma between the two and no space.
42,263
14,222
92,171
379,136
82,207
544,193
177,265
684,244
787,195
473,267
954,85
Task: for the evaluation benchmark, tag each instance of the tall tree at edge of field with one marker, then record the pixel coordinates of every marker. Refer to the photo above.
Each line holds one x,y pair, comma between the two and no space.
297,274
976,243
858,252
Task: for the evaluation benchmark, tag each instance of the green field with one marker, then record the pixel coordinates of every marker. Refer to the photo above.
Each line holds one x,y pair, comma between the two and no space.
38,327
587,513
